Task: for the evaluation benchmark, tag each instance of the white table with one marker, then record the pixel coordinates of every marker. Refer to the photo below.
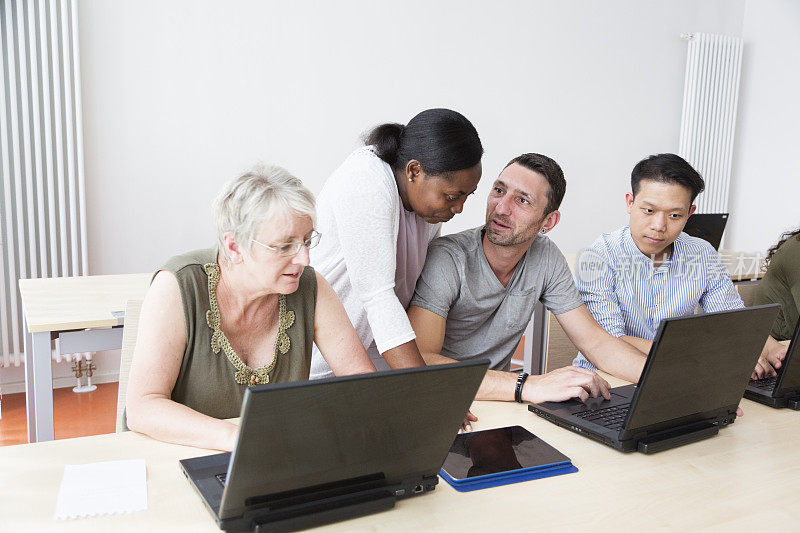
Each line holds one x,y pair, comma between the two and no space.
742,479
78,312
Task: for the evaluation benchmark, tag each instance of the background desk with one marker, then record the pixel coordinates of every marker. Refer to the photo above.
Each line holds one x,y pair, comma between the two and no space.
744,477
54,308
743,267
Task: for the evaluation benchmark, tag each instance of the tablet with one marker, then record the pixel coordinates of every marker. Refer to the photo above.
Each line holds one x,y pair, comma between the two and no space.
499,456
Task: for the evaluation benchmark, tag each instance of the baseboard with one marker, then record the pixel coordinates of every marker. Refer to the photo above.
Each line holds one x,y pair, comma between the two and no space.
59,383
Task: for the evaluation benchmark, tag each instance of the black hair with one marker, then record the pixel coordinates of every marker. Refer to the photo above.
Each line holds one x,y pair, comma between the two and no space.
667,168
551,172
783,238
441,140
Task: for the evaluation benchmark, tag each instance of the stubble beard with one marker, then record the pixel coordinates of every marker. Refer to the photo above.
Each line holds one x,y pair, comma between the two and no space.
514,238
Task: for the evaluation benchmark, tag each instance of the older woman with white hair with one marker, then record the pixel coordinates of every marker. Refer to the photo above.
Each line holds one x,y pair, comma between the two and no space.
242,313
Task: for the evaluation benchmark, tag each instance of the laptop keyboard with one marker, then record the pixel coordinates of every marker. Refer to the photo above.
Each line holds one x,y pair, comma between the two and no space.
610,417
765,384
223,478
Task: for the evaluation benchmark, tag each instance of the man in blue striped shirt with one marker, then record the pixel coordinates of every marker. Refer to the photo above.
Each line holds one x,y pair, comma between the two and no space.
649,270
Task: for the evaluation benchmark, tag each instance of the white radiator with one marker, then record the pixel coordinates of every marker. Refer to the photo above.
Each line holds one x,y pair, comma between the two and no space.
42,207
708,123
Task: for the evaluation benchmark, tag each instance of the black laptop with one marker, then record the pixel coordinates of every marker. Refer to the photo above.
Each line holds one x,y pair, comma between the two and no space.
314,452
692,382
707,226
782,390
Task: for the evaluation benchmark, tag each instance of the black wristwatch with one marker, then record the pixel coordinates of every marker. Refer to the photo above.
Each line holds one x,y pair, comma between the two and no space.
518,390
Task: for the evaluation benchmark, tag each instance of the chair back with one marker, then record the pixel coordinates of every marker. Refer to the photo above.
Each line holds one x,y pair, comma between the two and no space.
131,329
560,351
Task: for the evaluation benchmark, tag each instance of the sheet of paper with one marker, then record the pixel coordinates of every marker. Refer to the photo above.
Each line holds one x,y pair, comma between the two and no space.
102,488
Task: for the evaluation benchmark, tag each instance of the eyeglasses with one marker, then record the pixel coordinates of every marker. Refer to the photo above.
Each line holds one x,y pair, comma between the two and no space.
290,249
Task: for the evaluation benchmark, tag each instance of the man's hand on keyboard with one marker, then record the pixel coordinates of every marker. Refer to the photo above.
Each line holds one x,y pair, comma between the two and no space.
563,384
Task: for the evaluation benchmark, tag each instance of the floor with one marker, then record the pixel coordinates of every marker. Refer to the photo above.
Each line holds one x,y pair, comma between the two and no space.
75,414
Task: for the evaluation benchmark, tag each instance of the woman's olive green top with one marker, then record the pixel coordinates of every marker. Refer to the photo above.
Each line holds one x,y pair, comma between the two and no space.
781,284
212,379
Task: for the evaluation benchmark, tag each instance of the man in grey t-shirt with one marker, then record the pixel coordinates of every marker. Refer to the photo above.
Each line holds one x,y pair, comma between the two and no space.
476,293
483,318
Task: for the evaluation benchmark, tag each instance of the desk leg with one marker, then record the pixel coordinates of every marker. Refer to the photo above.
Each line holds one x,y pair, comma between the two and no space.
30,405
39,386
535,341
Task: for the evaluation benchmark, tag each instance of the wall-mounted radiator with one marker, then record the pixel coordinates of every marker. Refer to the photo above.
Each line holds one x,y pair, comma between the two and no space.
42,207
708,123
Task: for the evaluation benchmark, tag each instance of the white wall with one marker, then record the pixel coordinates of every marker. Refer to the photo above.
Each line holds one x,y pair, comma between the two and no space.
178,96
765,191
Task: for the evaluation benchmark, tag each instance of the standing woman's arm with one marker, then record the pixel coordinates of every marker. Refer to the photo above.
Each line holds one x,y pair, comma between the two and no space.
404,356
367,216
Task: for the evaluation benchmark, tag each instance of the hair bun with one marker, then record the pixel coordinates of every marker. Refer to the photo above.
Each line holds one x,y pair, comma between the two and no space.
386,140
441,140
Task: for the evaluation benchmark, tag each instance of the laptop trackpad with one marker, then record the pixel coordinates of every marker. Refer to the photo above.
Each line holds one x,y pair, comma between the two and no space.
601,403
619,395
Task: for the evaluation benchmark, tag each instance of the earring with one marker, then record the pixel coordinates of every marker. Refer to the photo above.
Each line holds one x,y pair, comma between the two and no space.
410,179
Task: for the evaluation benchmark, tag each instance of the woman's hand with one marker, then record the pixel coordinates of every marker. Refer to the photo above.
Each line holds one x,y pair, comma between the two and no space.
466,424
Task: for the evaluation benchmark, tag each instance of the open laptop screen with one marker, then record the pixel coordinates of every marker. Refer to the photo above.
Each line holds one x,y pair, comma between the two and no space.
699,364
790,373
707,226
392,426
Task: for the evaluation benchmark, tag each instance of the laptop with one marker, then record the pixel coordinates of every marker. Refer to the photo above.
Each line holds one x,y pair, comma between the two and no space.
707,226
691,385
314,452
782,390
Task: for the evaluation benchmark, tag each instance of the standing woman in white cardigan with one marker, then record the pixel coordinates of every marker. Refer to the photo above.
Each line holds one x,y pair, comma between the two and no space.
378,211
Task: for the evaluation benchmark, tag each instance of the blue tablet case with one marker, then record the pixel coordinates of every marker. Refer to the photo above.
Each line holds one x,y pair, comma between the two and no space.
506,478
485,481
